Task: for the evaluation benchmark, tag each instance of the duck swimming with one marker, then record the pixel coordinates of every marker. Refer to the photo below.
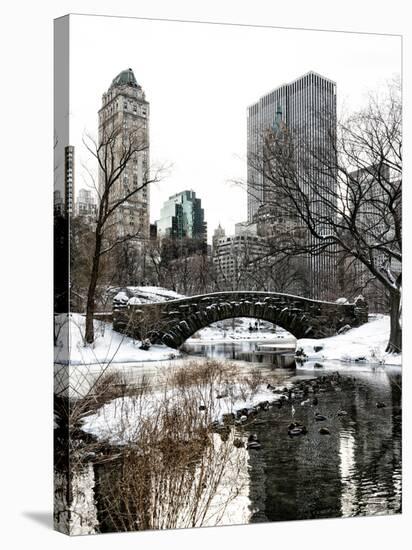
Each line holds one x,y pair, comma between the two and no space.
254,445
324,431
296,428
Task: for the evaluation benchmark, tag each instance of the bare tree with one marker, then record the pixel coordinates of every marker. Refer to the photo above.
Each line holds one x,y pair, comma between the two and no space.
181,264
341,199
241,263
113,153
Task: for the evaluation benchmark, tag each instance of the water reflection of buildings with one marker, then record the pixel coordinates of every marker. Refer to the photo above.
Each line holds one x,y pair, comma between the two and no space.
276,355
347,468
354,471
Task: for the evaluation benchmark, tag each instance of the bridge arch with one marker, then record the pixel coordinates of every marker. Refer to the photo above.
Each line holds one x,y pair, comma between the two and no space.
176,336
174,321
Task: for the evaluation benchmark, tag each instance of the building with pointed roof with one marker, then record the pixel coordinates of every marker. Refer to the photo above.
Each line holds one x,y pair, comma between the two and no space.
125,78
218,233
126,110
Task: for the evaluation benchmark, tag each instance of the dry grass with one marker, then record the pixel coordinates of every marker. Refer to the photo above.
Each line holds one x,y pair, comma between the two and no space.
174,464
171,465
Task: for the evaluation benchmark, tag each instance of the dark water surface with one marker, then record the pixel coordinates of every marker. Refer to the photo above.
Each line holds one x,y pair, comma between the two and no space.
356,470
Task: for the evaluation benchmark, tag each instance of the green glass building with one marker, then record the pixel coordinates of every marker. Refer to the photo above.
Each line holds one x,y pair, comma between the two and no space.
182,216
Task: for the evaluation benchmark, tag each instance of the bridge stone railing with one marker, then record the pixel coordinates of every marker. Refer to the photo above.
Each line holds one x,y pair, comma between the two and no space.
174,321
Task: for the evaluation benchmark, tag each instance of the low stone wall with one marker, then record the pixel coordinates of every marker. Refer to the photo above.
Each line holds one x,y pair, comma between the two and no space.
174,321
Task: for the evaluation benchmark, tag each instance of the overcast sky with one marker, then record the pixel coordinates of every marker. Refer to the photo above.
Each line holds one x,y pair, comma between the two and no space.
199,80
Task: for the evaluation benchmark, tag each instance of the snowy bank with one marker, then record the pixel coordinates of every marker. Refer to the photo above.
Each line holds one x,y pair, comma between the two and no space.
109,346
365,344
109,424
225,331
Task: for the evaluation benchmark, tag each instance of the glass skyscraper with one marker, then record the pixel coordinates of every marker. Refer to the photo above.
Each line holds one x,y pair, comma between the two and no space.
306,110
182,216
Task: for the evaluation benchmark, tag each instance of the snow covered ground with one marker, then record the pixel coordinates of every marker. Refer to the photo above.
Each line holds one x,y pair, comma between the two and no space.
108,423
365,344
109,346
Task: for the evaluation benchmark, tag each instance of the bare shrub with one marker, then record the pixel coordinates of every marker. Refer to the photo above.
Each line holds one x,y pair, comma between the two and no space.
254,380
173,464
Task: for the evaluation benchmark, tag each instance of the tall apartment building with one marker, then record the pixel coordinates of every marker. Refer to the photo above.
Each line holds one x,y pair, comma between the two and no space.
182,216
125,114
305,112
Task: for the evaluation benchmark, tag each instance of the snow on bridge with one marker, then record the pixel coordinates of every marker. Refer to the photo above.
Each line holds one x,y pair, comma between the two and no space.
172,321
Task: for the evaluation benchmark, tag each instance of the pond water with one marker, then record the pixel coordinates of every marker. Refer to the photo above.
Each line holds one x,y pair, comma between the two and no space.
276,353
354,470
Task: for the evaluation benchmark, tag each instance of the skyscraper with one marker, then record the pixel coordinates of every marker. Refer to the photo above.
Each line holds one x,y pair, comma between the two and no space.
306,108
125,111
182,216
305,112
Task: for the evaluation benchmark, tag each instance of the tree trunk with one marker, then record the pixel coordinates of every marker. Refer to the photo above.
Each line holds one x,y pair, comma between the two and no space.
395,338
91,293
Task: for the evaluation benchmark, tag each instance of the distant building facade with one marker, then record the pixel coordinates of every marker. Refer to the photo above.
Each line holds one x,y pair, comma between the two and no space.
245,228
303,110
355,278
63,199
125,113
233,260
86,204
58,203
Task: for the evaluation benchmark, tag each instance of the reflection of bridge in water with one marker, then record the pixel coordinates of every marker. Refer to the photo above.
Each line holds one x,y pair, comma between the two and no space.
174,321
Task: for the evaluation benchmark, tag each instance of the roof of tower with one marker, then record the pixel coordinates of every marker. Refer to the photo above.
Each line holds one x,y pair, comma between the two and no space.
309,73
126,77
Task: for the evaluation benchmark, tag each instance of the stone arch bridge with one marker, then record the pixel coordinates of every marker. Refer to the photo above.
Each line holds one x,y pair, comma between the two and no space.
172,322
